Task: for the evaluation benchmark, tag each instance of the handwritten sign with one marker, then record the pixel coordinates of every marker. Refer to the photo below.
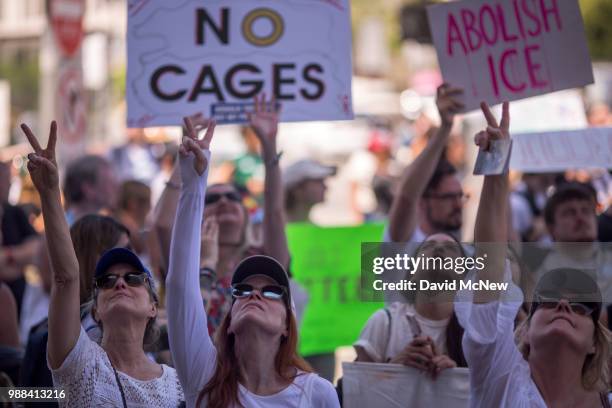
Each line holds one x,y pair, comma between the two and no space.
557,151
391,385
507,50
326,262
215,56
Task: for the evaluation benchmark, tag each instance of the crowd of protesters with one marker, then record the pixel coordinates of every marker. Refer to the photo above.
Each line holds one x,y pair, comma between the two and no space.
181,294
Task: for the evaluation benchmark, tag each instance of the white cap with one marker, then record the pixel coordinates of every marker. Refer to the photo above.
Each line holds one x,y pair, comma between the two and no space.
306,170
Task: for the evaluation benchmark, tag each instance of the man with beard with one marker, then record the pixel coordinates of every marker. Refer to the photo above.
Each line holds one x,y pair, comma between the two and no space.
430,199
571,219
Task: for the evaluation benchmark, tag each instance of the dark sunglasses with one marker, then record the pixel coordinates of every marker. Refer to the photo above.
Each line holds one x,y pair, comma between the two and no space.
243,290
212,198
580,308
109,280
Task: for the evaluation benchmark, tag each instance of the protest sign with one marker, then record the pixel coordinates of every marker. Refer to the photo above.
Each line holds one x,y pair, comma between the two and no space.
326,262
558,151
393,386
507,50
215,56
66,17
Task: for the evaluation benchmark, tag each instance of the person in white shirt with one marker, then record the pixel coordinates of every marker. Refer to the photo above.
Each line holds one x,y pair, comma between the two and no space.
422,331
254,362
117,372
562,336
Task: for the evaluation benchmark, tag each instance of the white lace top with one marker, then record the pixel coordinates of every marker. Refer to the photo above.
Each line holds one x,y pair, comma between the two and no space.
88,379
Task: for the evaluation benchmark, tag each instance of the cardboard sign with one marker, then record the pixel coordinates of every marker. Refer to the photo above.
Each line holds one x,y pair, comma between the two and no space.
501,50
215,56
326,262
558,151
391,386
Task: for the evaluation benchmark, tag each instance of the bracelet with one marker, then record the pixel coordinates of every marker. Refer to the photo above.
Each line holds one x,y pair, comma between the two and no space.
207,271
274,161
173,185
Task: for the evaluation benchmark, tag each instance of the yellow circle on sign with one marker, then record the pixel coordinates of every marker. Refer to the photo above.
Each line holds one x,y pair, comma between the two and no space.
275,19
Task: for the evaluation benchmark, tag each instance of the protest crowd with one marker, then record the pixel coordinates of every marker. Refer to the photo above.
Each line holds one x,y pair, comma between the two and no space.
154,275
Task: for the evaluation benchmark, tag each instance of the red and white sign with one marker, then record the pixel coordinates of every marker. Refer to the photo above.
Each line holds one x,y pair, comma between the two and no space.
510,49
67,24
71,106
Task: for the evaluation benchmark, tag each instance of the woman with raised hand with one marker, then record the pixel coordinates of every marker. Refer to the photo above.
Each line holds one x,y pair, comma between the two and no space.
253,362
562,353
117,372
226,230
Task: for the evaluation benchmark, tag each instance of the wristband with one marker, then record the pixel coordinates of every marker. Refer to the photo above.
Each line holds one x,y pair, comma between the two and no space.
275,160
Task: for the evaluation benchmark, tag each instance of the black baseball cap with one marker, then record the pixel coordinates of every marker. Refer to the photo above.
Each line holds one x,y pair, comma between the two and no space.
261,265
574,285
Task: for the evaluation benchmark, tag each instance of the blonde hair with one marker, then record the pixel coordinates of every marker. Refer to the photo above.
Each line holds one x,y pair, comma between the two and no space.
595,370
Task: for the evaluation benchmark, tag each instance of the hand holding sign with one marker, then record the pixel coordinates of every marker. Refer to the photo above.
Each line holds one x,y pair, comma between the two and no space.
447,103
418,354
193,125
41,164
264,122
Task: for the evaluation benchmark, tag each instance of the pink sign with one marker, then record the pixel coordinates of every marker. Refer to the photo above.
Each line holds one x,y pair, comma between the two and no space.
510,49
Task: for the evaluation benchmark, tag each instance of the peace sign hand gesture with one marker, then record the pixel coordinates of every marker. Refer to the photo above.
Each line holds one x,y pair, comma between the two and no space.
41,164
194,124
494,131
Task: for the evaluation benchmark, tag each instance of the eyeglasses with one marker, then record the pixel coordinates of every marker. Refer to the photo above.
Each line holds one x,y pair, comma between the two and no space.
109,280
450,197
243,290
581,309
212,198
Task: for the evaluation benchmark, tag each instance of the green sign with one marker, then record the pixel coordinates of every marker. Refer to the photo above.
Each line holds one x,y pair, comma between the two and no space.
327,262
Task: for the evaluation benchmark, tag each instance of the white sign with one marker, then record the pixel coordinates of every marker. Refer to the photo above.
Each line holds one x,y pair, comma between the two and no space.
214,56
558,151
367,385
5,113
507,50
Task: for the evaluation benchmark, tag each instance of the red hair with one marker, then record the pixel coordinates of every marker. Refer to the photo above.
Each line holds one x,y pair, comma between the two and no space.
222,389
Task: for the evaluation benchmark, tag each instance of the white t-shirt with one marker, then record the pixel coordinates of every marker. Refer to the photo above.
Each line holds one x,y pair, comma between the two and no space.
193,352
88,379
382,344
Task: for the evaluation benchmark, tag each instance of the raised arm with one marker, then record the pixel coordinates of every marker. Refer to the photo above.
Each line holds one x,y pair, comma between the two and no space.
164,213
403,215
264,122
492,217
192,349
64,319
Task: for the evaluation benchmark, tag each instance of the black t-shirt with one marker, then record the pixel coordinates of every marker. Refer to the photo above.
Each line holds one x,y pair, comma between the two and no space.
15,230
604,228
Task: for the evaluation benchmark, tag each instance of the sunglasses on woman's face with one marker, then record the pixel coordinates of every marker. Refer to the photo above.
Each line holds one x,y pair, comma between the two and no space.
243,290
109,280
212,198
579,308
